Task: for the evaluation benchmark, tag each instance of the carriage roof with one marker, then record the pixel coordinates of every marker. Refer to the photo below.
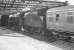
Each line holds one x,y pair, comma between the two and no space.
63,8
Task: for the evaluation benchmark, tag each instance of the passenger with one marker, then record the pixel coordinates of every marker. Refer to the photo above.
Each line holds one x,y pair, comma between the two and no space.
19,22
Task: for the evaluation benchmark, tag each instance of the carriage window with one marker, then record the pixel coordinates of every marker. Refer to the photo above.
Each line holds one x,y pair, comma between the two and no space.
57,17
70,19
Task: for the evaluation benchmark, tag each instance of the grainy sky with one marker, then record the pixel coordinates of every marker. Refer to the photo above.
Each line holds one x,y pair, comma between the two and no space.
70,1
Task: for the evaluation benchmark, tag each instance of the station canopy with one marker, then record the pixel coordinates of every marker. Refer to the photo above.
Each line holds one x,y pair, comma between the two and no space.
10,6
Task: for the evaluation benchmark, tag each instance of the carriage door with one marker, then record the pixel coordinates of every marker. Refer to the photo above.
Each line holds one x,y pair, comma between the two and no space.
57,19
50,19
70,24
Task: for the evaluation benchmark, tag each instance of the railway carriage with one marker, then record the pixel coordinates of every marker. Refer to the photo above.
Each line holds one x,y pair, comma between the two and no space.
61,20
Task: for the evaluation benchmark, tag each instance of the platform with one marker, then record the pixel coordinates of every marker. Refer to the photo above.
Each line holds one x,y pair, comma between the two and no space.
10,40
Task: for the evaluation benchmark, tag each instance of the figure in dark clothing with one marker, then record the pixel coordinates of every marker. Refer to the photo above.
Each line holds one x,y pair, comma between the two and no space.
4,20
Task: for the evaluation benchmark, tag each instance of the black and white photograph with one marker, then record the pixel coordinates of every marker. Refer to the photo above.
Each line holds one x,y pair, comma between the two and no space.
36,24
